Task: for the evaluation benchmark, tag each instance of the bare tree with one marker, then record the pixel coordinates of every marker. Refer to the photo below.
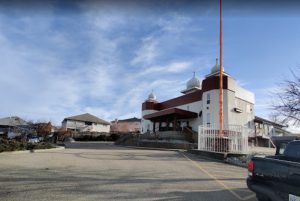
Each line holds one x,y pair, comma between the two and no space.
275,117
287,104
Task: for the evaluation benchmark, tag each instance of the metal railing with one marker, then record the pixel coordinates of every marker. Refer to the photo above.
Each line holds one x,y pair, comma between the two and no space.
234,140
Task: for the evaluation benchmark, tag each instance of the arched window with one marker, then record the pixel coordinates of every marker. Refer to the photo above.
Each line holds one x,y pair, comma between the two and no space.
200,113
208,98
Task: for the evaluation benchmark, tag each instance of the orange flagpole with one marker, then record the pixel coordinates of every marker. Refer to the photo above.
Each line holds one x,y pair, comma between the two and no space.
221,77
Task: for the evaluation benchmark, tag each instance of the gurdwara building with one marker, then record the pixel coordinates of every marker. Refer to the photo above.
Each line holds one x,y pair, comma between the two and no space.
199,106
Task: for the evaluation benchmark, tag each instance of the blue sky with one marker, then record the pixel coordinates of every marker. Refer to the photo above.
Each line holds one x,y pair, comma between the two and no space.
63,58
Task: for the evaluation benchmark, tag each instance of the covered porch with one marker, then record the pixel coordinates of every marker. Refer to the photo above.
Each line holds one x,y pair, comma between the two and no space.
173,119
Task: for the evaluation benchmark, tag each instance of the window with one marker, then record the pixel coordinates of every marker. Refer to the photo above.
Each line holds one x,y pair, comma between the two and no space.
248,109
208,98
282,148
88,123
200,113
208,119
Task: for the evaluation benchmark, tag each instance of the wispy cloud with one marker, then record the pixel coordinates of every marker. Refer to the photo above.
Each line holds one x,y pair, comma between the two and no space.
148,51
174,67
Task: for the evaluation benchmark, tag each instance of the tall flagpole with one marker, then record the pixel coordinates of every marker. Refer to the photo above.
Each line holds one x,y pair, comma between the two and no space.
221,78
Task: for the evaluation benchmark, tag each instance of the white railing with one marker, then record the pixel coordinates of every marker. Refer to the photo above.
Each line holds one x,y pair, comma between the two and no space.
234,139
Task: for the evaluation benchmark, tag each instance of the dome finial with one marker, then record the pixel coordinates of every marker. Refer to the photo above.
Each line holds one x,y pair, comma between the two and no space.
216,68
151,96
193,82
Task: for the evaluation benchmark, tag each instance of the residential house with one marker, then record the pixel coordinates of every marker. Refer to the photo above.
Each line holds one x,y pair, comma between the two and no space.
131,125
13,126
86,124
265,130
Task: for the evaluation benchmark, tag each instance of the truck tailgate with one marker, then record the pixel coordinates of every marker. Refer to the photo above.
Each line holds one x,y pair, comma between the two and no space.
281,175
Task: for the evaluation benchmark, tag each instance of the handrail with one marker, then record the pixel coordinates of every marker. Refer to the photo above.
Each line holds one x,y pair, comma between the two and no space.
188,133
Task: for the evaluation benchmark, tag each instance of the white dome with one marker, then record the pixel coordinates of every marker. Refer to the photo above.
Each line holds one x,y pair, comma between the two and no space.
216,67
194,82
151,97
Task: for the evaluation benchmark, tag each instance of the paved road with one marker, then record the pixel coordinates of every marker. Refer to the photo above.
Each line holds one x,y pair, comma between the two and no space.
102,171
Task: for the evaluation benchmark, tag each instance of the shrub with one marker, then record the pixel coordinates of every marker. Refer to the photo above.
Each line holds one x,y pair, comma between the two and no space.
14,145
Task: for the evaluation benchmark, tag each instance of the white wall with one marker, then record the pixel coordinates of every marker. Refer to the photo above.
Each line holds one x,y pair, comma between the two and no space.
80,126
212,108
236,118
146,124
230,101
101,128
72,124
245,95
193,107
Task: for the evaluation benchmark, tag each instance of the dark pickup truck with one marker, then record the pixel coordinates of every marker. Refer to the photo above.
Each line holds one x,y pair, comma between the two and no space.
276,178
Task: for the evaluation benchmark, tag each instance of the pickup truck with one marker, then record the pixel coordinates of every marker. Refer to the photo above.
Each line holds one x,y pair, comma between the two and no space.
276,178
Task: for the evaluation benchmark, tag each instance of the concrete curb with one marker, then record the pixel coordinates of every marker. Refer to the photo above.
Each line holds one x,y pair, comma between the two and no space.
208,154
220,157
236,164
32,151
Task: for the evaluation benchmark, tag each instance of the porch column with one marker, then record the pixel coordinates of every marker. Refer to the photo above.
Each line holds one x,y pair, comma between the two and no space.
159,127
168,124
153,126
175,123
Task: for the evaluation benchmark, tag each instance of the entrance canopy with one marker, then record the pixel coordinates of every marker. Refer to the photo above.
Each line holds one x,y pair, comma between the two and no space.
171,114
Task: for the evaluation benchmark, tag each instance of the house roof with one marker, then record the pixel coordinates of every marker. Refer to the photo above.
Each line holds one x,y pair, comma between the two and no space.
265,121
134,119
12,121
87,118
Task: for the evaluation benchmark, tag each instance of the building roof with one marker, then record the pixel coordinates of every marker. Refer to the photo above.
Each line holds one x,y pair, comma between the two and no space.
265,121
12,121
87,118
134,119
171,112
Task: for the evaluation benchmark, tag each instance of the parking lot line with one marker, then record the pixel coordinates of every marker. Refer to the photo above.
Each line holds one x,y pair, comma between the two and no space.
226,176
217,180
233,182
217,168
226,171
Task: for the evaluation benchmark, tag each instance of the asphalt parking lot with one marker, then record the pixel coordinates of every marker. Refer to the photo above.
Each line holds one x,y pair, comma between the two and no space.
102,171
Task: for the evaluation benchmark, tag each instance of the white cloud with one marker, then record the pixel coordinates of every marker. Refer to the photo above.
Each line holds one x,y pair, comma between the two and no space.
177,67
174,67
146,54
174,23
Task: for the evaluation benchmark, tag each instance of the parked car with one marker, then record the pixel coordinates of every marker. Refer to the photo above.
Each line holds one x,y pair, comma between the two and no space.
12,135
68,139
33,140
276,178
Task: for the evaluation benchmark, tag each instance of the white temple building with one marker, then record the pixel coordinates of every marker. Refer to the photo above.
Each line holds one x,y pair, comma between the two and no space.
199,106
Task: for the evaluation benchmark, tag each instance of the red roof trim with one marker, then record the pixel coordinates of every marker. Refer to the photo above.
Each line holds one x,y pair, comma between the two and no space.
183,114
